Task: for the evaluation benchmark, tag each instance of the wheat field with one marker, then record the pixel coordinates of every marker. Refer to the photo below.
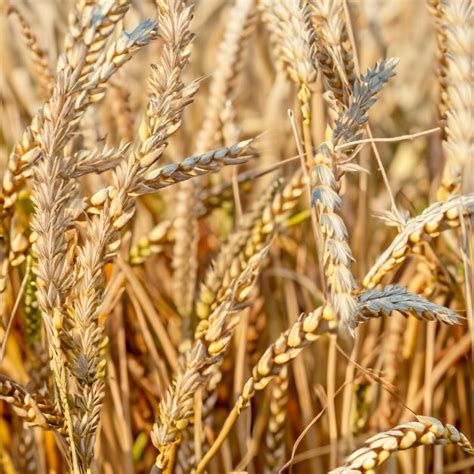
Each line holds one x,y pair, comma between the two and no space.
236,236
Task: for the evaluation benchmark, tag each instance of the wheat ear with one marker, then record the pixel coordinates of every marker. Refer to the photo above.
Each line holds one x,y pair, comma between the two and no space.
177,17
81,90
234,255
113,208
38,55
333,53
434,7
433,220
425,431
176,409
51,194
84,52
33,412
53,191
306,329
239,26
326,175
275,436
457,146
375,303
254,232
229,61
294,40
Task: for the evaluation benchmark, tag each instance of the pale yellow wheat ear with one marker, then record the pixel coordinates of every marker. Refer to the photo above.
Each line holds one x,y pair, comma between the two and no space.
253,233
225,77
434,219
209,347
423,432
276,429
39,57
27,408
306,329
96,23
326,174
77,89
68,306
255,230
334,51
454,22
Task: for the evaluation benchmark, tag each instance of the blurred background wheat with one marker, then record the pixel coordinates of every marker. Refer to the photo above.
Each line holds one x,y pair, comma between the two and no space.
193,193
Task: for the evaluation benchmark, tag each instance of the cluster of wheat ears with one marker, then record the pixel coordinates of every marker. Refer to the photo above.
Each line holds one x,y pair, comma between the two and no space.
145,329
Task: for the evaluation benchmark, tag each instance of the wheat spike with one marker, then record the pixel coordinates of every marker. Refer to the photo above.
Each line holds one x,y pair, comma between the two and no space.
51,193
91,25
275,436
433,220
457,146
425,431
87,89
199,165
113,208
214,336
374,303
38,55
177,17
334,56
293,37
242,244
229,63
254,231
364,95
325,181
434,7
26,407
185,261
306,329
